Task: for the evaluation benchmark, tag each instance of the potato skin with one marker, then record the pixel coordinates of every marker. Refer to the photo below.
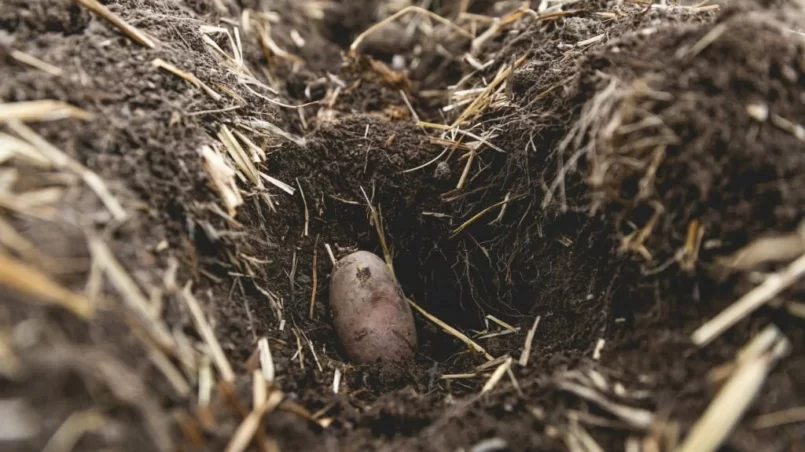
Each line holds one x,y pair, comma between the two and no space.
371,317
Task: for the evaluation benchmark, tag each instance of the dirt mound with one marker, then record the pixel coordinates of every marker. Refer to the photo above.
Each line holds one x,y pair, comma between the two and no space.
574,188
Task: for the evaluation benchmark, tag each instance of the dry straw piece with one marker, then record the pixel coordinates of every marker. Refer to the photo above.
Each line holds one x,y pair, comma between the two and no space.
40,110
204,328
130,292
250,425
190,78
222,177
729,405
497,375
73,429
22,278
636,417
757,297
528,341
127,29
409,9
450,330
59,158
266,361
35,62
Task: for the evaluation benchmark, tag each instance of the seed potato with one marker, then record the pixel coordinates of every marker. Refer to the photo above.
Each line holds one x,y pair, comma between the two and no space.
372,319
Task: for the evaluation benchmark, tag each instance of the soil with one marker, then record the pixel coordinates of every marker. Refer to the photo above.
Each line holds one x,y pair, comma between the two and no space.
621,128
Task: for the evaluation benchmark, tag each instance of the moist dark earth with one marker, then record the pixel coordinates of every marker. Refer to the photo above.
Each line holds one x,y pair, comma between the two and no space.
620,155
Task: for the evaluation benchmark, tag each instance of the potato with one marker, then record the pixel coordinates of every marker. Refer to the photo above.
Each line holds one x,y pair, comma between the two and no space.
371,317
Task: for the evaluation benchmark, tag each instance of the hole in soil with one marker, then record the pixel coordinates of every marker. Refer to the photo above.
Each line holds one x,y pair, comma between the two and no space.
513,268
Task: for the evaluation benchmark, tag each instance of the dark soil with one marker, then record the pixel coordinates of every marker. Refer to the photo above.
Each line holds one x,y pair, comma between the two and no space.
577,177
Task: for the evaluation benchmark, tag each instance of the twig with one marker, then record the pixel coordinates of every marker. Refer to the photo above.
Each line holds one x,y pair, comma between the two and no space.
206,332
271,47
133,33
771,287
529,339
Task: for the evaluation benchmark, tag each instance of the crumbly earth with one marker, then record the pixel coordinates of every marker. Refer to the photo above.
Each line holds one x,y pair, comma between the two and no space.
612,130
